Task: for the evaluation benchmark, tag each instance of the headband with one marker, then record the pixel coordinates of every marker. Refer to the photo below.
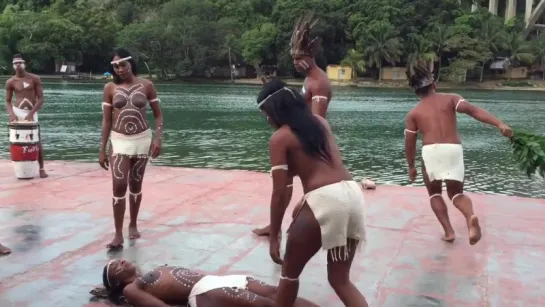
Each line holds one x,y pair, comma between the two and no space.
18,61
121,60
424,82
282,89
107,273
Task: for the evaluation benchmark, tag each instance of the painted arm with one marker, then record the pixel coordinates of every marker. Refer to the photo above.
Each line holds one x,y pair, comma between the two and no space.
157,112
411,134
281,194
39,96
320,97
137,297
107,109
9,97
463,106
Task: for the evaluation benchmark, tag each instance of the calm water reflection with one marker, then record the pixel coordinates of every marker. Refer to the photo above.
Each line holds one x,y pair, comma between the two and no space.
218,126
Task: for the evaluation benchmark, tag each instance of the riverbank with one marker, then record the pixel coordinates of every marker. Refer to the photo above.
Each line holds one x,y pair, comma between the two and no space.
525,85
202,219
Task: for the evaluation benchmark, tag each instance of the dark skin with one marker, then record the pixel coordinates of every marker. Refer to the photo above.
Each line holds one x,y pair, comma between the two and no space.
316,85
435,118
4,250
132,168
304,238
31,97
159,288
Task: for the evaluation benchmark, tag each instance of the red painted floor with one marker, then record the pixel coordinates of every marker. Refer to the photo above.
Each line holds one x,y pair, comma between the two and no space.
202,219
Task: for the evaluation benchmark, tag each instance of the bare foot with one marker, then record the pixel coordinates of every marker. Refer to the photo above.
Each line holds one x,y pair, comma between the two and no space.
262,232
474,230
116,243
449,237
133,233
367,184
43,174
4,250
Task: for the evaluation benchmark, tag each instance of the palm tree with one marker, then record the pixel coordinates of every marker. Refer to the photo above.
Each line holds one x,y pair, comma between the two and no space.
539,53
355,60
382,43
490,33
422,51
439,37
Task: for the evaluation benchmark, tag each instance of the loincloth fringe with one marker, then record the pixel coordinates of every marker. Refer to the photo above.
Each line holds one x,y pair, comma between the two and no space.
342,253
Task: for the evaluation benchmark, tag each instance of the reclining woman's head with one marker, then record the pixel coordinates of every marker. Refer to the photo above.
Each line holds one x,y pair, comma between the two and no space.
284,106
116,275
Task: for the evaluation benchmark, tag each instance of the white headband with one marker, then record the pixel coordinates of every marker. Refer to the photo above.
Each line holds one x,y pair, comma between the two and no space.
282,89
18,61
121,60
107,273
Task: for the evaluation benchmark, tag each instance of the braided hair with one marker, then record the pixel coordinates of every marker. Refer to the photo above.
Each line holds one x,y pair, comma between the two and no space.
301,44
420,78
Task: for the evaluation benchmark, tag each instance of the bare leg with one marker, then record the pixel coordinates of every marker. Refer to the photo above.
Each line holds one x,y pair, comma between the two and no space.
262,289
43,174
120,173
338,275
4,250
304,241
435,190
464,204
138,168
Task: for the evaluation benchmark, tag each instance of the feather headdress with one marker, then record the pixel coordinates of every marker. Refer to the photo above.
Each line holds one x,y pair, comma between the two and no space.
420,76
301,44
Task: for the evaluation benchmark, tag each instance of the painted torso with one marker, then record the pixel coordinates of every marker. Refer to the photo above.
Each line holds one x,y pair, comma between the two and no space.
129,105
171,284
24,89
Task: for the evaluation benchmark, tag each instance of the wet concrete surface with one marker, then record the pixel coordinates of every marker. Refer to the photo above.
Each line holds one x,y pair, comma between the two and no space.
202,219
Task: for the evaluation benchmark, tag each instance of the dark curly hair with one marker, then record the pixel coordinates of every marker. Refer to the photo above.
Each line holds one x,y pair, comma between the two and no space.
420,78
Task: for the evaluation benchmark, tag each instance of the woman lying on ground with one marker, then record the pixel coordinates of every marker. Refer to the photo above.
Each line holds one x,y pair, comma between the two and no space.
168,285
332,214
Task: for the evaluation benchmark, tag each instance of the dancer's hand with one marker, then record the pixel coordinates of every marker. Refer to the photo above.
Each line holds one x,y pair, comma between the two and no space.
29,117
506,130
274,248
12,117
412,174
103,160
155,148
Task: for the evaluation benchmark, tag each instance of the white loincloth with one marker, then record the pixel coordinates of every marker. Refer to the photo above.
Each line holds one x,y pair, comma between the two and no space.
339,208
444,161
212,282
22,113
136,145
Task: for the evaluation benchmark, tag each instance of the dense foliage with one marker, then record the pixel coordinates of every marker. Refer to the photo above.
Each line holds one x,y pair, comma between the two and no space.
196,37
529,152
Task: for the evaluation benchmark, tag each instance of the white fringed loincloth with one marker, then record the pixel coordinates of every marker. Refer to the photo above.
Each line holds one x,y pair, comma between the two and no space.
444,161
339,208
22,113
212,282
135,146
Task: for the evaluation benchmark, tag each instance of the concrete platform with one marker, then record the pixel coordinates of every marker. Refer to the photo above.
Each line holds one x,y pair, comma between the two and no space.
199,218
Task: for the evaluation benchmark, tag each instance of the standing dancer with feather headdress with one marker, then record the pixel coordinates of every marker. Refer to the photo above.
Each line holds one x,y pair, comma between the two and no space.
316,88
442,154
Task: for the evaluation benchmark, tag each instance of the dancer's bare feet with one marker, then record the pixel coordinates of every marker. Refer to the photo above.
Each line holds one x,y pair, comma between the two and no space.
367,184
263,232
116,243
4,250
449,237
133,232
43,174
474,230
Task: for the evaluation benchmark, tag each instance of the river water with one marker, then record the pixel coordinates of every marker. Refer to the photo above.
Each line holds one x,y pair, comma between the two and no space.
219,126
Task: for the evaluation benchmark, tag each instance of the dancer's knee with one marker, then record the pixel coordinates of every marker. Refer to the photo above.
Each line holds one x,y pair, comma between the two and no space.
119,188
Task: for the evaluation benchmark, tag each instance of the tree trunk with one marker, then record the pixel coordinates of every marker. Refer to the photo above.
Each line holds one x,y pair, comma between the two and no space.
380,72
482,73
438,70
257,69
230,66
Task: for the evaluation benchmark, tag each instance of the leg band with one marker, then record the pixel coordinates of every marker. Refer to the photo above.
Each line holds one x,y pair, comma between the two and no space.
454,197
434,195
289,279
135,195
118,199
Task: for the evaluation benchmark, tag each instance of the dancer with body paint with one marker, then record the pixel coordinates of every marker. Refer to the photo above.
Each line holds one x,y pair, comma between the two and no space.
442,153
168,285
124,122
332,214
29,98
316,88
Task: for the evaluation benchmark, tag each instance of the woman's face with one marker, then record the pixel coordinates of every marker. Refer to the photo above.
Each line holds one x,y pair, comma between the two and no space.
121,68
120,270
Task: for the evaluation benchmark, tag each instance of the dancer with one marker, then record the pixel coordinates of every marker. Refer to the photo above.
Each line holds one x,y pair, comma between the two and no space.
4,250
124,119
29,98
442,154
316,88
332,214
176,285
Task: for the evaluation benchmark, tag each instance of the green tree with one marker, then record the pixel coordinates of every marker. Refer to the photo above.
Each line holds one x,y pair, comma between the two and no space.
382,43
538,49
356,61
258,44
